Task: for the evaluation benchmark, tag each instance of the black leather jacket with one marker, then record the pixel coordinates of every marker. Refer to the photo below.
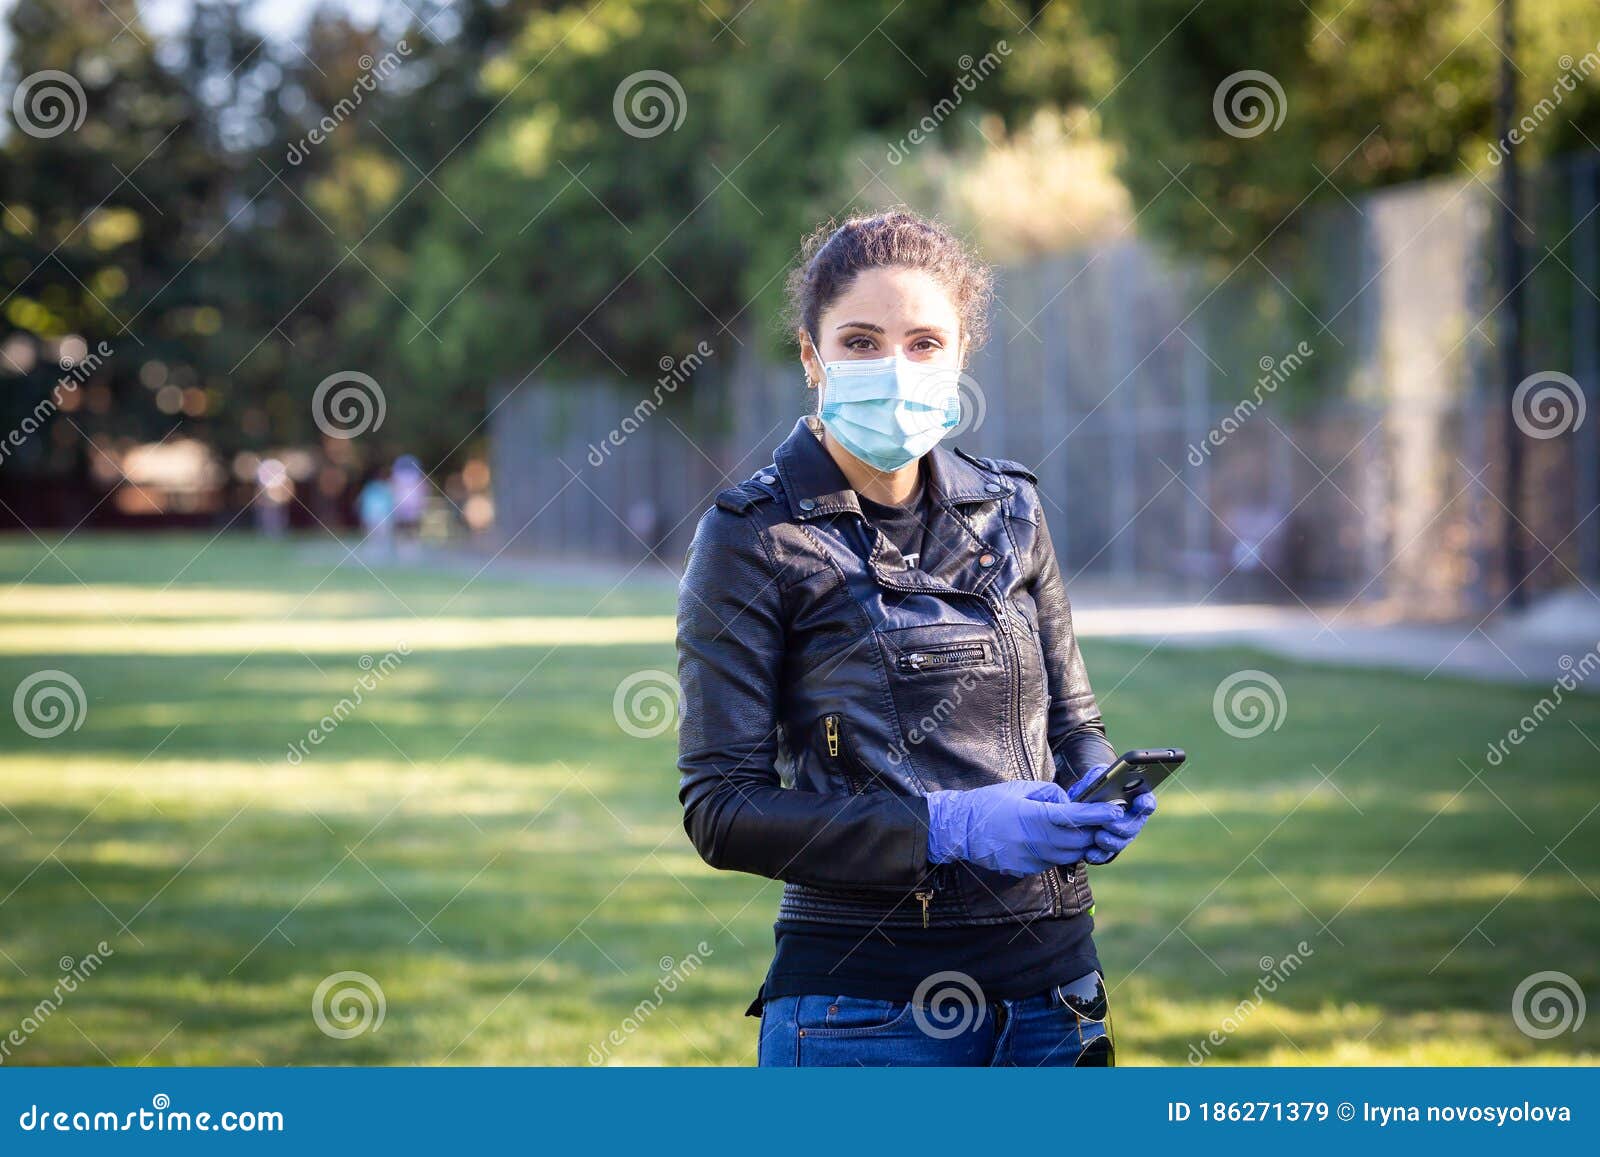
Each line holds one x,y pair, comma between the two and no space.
827,688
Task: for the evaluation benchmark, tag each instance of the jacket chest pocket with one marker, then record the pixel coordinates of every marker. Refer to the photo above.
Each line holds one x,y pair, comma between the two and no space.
923,654
945,657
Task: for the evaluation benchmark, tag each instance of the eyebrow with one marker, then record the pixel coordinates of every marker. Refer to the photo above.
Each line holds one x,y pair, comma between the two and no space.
867,325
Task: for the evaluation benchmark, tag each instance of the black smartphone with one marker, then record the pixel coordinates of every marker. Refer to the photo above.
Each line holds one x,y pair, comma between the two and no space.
1136,772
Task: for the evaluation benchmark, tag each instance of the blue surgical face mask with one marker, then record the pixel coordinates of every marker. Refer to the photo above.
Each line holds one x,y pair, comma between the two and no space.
890,411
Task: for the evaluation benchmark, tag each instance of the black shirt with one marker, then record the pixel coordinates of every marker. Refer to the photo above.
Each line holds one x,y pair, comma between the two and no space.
1007,961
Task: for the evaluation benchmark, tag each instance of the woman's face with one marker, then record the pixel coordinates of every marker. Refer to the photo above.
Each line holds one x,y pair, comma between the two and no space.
884,312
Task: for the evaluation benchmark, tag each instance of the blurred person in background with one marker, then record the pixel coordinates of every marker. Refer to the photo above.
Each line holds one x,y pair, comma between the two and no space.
375,509
274,492
880,620
410,489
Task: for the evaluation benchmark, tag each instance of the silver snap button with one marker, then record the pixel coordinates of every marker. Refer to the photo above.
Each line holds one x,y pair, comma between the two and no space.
993,487
808,504
769,479
986,560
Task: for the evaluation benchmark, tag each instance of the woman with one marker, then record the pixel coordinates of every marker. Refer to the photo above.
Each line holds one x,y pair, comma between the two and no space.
883,700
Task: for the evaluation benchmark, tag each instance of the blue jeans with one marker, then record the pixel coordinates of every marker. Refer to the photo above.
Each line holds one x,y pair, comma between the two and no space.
953,1026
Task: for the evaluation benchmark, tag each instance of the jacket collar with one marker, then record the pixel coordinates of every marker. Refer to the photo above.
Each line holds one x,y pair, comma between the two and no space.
814,485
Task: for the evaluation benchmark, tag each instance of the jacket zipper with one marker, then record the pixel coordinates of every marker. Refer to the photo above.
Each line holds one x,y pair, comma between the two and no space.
997,605
833,735
943,657
1003,622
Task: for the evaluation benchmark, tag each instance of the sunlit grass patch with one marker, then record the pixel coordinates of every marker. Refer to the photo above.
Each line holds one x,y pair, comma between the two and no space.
479,836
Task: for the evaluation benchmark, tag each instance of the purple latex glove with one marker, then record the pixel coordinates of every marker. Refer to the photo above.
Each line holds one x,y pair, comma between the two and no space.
1019,828
1118,834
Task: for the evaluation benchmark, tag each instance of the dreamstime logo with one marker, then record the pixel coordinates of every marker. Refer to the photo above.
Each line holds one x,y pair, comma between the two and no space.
1573,74
1274,372
674,372
1248,103
1248,703
1274,974
1547,404
673,974
1574,672
347,1004
647,703
73,974
372,72
920,730
648,103
970,406
947,1004
973,72
1548,1004
49,103
957,393
347,404
373,673
74,372
48,703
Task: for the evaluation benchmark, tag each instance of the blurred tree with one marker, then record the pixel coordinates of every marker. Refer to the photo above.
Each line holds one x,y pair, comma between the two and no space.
1319,96
108,181
465,195
650,168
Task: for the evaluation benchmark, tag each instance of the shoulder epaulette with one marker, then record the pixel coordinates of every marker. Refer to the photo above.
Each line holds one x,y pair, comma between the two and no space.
741,499
1000,465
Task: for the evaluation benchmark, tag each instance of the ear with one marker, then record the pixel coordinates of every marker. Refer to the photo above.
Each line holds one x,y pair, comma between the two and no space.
810,360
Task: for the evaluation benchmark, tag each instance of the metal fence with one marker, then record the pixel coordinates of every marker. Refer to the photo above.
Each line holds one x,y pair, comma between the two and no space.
1322,420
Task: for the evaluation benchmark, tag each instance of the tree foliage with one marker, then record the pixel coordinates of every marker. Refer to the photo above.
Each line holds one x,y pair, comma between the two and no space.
240,217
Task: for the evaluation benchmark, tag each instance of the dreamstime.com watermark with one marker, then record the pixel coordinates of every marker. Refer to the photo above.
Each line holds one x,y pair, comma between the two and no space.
1273,974
1576,671
73,375
1274,372
160,1117
973,73
372,73
673,974
73,973
375,672
1573,73
674,372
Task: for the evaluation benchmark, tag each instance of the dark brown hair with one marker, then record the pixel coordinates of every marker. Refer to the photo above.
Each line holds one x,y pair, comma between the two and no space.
832,256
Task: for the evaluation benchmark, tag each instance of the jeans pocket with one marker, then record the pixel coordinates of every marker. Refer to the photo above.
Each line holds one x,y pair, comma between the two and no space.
848,1015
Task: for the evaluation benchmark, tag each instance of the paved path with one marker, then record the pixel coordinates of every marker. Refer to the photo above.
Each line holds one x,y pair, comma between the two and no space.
1536,647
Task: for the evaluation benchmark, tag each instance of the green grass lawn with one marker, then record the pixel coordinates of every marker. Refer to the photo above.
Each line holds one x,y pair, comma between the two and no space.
482,839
